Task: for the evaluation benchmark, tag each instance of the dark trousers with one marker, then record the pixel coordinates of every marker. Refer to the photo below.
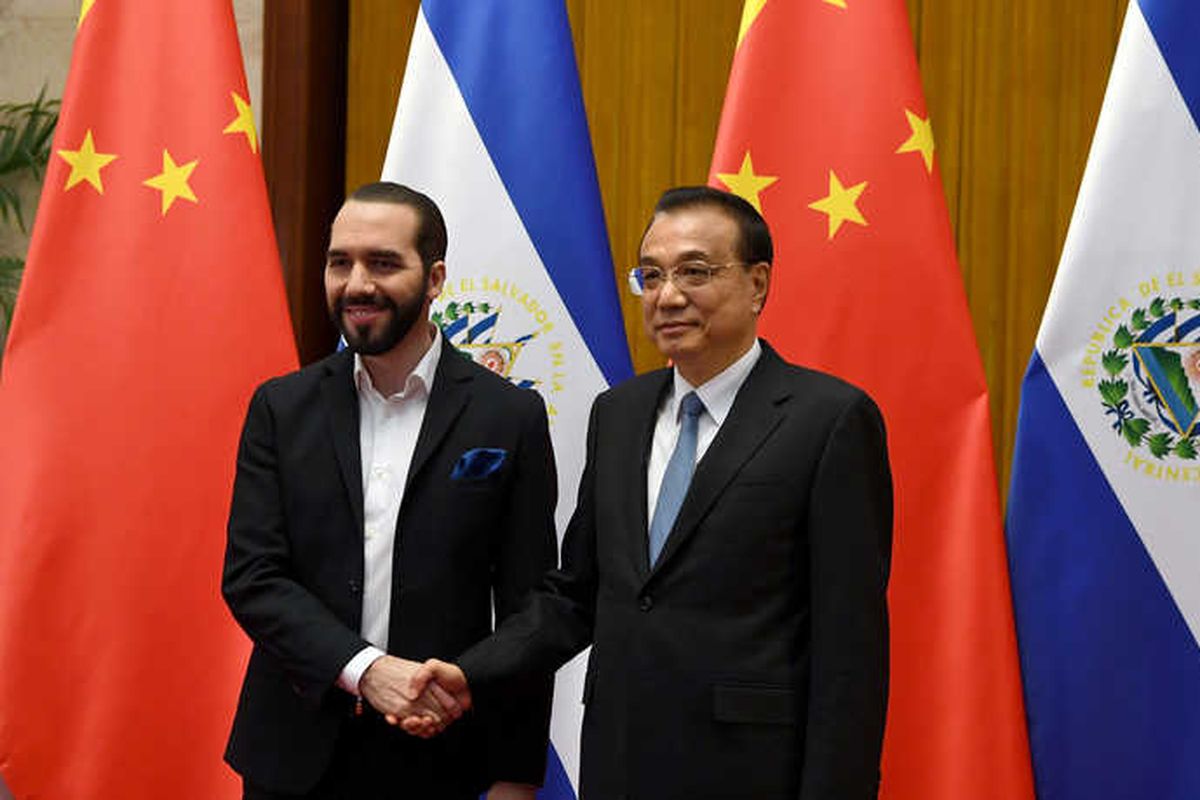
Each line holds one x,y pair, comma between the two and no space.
362,768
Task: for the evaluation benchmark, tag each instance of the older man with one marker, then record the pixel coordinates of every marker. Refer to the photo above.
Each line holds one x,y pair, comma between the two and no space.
729,553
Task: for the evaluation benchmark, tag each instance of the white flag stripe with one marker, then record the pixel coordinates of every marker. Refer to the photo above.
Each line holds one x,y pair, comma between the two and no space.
1135,221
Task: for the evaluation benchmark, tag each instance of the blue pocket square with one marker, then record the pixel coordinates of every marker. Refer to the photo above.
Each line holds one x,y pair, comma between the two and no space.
478,462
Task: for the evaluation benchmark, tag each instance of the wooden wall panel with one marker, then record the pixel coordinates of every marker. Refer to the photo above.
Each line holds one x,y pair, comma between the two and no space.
653,77
304,61
380,31
633,126
1014,89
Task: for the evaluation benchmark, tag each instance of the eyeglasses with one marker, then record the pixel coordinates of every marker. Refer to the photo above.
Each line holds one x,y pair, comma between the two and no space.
686,275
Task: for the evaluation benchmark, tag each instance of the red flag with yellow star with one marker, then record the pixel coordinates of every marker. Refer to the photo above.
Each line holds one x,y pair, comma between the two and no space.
151,306
825,130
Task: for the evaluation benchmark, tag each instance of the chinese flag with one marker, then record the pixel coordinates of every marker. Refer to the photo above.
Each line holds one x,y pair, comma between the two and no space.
152,304
825,130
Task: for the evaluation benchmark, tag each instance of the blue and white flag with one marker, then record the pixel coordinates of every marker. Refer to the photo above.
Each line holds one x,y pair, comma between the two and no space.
1104,512
490,123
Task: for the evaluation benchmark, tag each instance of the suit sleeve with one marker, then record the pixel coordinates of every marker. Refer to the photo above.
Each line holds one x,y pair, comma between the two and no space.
258,584
558,619
518,712
850,535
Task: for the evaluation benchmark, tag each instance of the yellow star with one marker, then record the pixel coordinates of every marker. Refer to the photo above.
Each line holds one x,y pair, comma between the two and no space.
745,183
86,163
173,181
838,3
243,122
921,140
839,204
83,11
750,13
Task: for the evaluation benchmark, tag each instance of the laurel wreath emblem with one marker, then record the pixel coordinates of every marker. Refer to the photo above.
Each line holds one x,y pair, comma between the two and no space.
454,310
1129,419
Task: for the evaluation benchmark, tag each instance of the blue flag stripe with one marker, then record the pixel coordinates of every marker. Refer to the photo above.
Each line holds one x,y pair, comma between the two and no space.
1111,671
557,785
515,66
1176,25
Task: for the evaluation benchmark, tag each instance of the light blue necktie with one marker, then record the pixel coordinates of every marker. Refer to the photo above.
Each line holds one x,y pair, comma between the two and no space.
677,476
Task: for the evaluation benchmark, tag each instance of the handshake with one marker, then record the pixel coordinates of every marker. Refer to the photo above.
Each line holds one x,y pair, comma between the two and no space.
423,699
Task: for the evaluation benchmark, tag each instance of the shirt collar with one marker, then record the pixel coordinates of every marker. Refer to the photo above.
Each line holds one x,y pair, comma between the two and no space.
719,391
421,377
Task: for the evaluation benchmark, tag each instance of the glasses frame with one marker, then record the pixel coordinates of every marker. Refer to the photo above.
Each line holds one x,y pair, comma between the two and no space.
637,282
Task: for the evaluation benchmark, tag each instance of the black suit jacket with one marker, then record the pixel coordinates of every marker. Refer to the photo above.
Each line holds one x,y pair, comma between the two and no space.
294,570
751,660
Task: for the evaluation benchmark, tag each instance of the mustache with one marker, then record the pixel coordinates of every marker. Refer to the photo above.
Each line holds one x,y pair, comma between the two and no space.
372,301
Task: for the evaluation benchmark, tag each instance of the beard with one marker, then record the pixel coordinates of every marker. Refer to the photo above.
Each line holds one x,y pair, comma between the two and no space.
360,338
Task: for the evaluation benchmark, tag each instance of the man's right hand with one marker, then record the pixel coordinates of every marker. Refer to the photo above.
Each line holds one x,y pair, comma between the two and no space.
448,683
390,687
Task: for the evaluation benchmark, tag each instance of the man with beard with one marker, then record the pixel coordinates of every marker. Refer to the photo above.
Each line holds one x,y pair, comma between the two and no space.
385,498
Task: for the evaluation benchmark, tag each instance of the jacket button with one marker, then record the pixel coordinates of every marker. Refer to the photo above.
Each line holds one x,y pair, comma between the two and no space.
646,603
355,587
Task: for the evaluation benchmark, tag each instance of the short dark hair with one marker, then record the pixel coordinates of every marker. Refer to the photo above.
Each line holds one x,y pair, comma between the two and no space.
431,228
754,237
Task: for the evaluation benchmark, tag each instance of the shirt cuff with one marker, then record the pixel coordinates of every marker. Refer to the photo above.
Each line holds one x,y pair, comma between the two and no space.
353,671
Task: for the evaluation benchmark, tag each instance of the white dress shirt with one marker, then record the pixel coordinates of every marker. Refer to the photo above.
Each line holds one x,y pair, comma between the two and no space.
387,435
717,395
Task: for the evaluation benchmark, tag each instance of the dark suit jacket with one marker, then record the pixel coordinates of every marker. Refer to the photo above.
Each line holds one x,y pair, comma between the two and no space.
751,661
294,570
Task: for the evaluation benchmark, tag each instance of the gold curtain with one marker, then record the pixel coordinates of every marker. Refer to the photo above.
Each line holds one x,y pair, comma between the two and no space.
1013,88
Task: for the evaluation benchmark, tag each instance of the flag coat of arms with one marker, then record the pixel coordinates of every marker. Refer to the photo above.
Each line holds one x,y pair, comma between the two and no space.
1102,518
825,130
152,305
490,123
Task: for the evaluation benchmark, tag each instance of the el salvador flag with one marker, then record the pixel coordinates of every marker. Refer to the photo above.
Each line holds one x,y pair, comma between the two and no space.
1104,510
490,123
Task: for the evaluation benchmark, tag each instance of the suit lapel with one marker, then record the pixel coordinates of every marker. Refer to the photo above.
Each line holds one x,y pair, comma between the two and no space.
756,412
636,461
451,384
341,403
